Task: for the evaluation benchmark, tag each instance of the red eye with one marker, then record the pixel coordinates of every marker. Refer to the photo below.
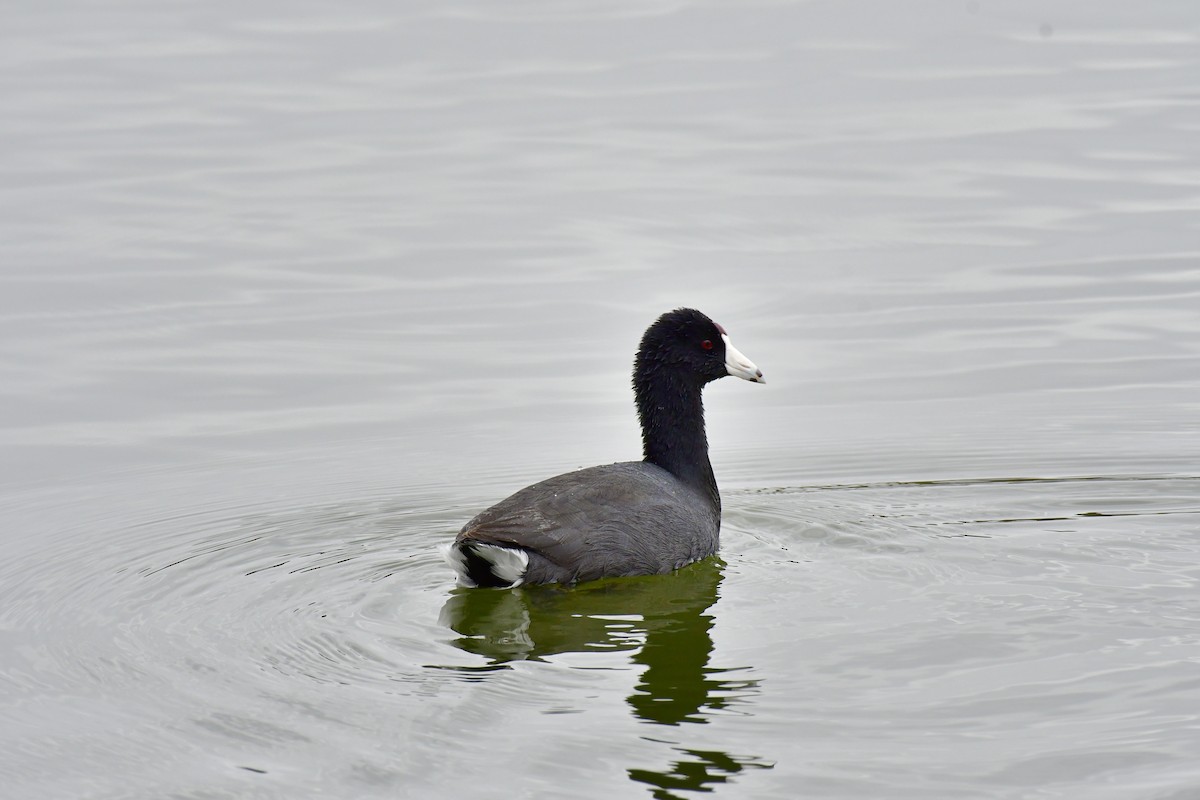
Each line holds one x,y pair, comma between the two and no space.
706,344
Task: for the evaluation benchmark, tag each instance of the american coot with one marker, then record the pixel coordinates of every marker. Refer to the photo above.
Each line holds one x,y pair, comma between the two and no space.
631,518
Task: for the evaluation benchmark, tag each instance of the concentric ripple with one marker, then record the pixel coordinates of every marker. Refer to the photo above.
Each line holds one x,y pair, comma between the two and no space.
270,634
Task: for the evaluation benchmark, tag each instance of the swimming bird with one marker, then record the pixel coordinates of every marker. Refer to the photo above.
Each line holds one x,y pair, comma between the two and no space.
631,518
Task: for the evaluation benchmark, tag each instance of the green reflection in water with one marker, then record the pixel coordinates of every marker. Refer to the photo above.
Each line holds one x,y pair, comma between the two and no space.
662,619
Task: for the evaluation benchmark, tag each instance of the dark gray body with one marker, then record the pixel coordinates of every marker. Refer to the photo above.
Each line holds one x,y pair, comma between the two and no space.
629,518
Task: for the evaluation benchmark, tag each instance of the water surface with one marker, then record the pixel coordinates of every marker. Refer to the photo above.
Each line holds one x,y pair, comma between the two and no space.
288,294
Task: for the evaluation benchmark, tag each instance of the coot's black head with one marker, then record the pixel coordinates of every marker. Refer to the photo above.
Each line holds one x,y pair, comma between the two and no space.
692,346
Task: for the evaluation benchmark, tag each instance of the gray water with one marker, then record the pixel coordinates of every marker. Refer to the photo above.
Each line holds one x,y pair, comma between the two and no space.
290,291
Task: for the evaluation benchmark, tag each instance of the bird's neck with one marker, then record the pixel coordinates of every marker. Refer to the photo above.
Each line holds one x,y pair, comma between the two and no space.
672,417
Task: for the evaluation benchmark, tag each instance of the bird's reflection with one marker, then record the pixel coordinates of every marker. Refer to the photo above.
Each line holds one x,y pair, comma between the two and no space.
662,618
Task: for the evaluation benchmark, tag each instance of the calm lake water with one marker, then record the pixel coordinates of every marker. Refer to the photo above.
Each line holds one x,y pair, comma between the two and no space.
288,292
